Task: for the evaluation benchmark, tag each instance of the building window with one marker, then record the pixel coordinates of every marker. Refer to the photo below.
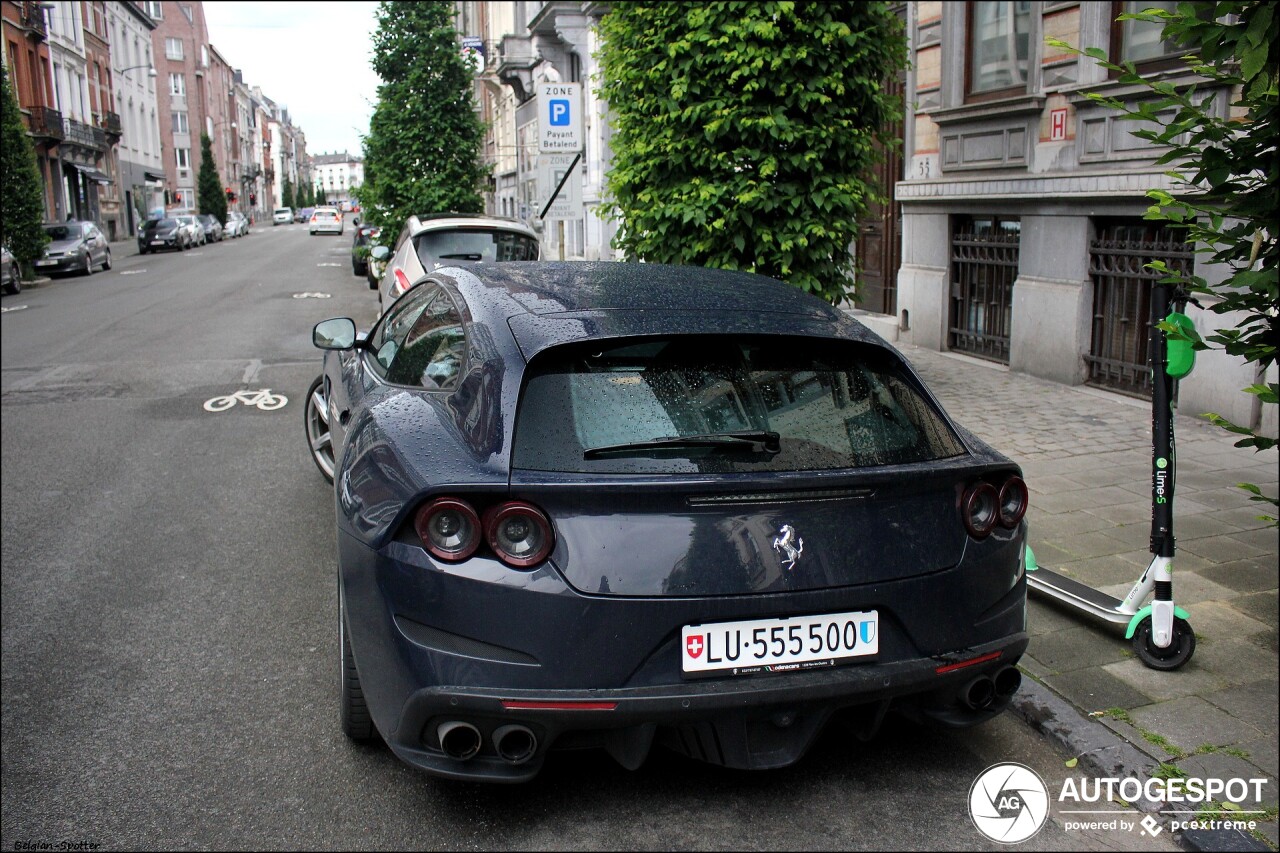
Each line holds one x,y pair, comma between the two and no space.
1140,42
177,84
180,122
999,42
173,48
184,157
155,9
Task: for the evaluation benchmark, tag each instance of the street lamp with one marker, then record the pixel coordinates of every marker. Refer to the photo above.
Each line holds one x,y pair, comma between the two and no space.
151,70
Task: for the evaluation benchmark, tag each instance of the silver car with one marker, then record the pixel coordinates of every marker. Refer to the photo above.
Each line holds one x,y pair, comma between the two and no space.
237,224
326,220
194,229
448,239
74,246
10,276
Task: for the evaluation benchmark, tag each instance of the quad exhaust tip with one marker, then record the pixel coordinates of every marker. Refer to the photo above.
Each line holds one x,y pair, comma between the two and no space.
515,744
1007,681
979,693
459,740
987,691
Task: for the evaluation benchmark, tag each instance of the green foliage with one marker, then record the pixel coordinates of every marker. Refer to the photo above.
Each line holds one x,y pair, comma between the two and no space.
21,194
744,135
210,195
422,152
286,193
1228,172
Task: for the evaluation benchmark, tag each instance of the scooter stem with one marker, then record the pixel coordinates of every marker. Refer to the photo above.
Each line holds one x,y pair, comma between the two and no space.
1162,474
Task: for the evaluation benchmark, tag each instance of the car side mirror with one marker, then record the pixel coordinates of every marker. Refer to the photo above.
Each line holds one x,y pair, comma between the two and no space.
380,253
355,221
337,334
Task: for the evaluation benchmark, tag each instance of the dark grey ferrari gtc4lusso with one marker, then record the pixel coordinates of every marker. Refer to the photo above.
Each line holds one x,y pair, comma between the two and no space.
603,504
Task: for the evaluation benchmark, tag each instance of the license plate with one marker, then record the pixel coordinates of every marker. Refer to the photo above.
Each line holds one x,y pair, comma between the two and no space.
157,242
779,645
45,263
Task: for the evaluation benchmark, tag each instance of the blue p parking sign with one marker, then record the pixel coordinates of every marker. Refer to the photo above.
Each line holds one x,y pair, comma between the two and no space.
559,115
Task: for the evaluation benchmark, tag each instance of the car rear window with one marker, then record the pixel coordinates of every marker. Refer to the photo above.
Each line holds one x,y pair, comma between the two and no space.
824,404
476,244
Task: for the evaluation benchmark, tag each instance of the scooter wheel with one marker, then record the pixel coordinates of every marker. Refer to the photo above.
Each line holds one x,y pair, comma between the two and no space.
1178,652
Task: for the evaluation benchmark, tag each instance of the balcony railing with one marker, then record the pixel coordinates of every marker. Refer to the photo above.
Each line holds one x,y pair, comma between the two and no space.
79,133
46,123
33,19
111,124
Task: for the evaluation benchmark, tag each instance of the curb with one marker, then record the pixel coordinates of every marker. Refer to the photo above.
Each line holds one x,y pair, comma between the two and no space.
1104,753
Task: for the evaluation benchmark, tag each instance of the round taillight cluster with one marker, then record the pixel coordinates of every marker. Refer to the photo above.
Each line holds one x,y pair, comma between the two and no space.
518,533
983,506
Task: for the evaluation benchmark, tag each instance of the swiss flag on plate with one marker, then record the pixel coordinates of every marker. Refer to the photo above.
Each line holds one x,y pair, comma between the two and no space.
694,645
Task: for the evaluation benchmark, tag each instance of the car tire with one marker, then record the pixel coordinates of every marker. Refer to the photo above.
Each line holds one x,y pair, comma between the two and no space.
106,262
14,287
315,413
88,264
357,724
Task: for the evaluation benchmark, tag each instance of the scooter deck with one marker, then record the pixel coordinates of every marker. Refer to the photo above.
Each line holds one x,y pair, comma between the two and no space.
1070,591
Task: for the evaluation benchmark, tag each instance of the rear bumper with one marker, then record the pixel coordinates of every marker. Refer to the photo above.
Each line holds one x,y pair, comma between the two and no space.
754,723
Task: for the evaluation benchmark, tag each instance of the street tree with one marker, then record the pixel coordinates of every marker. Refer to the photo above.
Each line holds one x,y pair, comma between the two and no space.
210,196
1228,178
745,135
21,196
422,152
286,193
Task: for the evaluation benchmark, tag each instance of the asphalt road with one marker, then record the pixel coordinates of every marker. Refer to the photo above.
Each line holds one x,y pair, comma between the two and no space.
169,614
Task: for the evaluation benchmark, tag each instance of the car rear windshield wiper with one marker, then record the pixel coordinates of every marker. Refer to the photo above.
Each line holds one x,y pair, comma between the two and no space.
758,440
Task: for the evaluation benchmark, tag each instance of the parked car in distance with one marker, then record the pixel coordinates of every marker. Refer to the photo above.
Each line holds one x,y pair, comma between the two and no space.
237,224
193,227
326,220
282,216
303,214
10,275
361,243
74,246
213,230
429,242
164,233
612,505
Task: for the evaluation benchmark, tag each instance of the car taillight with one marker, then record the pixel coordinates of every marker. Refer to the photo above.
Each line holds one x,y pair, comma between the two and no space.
449,528
402,283
981,509
518,533
313,219
1014,500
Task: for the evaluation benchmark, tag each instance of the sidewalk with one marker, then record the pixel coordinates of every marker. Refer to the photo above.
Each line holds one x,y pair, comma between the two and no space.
1086,456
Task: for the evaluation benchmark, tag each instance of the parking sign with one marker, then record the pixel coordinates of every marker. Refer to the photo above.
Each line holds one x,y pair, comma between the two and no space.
559,118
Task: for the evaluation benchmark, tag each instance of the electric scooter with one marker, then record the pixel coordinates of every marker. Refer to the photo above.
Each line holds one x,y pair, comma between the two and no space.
1160,631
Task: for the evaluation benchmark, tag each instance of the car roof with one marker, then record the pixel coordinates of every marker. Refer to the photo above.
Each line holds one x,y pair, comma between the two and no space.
444,221
546,303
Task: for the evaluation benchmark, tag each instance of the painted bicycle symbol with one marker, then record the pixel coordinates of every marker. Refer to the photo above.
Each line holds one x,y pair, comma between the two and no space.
264,400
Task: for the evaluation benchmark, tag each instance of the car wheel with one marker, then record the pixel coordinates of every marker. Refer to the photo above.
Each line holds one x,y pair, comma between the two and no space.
319,439
106,262
356,722
88,264
14,287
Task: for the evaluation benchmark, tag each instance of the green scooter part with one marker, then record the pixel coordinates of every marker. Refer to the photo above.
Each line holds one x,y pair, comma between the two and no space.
1145,612
1181,356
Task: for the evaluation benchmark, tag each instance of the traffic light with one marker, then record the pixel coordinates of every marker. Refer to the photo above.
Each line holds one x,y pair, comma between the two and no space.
231,196
253,198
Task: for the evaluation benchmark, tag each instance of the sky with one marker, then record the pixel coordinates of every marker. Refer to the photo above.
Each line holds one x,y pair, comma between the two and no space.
312,58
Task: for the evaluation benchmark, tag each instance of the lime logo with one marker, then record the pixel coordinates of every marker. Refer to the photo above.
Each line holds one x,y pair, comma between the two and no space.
1162,463
1008,803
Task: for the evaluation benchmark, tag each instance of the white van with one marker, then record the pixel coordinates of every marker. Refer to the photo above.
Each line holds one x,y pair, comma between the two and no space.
282,216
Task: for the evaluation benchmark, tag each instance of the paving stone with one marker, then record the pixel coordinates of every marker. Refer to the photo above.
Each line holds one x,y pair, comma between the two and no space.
1264,606
1162,686
1264,754
1220,765
1266,540
1188,527
1075,648
1221,549
1254,703
1235,661
1212,617
1045,615
1251,575
1092,544
1191,721
1095,689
